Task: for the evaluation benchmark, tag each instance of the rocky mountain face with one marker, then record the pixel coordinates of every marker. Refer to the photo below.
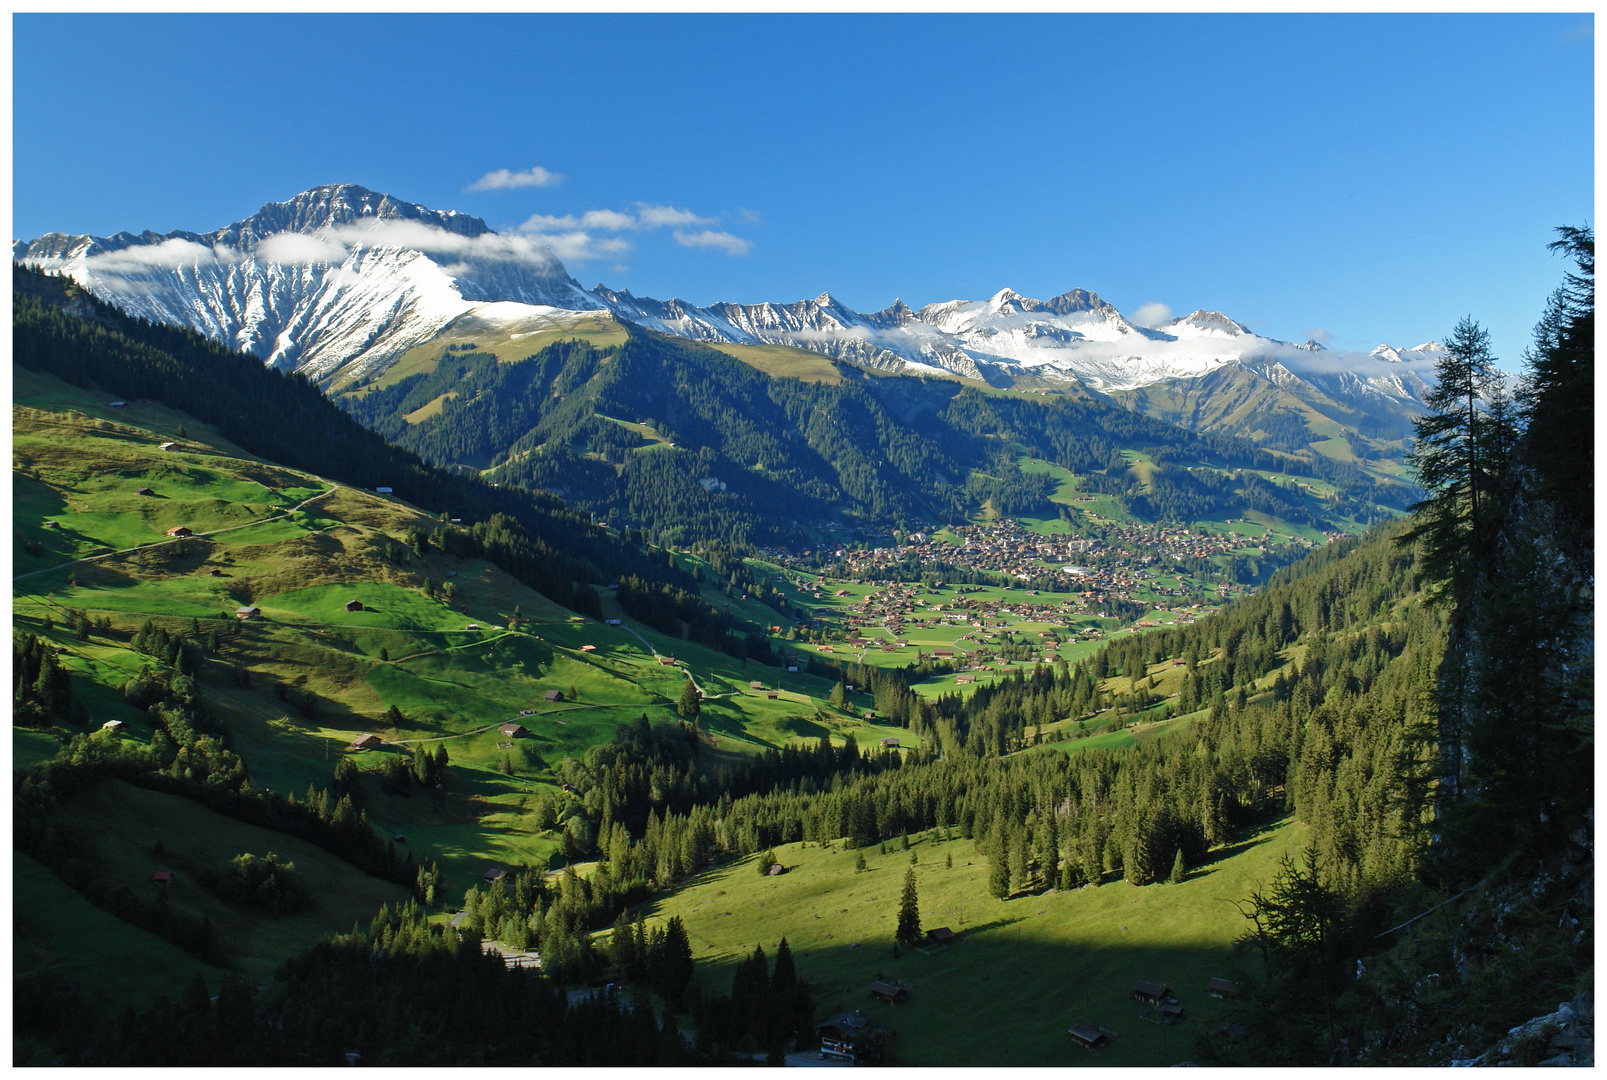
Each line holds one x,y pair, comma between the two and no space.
340,281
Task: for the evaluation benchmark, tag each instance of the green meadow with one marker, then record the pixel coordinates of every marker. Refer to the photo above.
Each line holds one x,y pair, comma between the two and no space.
1024,970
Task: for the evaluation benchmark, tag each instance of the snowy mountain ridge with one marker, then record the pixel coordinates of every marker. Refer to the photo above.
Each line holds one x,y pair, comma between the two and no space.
342,281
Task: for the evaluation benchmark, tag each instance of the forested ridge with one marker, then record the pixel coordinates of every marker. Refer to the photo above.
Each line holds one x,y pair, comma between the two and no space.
743,458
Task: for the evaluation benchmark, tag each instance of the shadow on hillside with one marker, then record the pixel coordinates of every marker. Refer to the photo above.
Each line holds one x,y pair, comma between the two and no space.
1244,839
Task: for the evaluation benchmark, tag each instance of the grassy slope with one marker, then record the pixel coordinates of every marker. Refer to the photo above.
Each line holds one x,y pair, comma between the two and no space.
58,933
1026,969
404,649
122,823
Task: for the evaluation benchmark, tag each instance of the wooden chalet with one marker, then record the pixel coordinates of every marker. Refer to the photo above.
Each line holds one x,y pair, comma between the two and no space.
1220,988
1087,1037
772,694
888,992
588,648
942,936
492,876
755,685
180,531
113,726
843,1035
1171,1013
144,491
367,742
247,612
354,605
666,660
1150,993
512,730
891,743
943,652
553,695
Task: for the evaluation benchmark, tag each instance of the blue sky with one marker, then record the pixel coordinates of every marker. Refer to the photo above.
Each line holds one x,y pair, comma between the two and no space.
1373,178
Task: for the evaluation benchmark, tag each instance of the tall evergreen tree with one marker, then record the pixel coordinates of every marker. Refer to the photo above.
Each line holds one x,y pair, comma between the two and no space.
909,912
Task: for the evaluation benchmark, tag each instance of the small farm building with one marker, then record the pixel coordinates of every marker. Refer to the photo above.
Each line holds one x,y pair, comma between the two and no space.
493,875
144,491
1171,1014
588,648
553,695
755,685
180,530
1087,1037
367,742
666,659
113,726
163,877
841,1035
1220,988
245,612
512,730
771,694
888,992
354,605
942,936
893,743
170,446
1150,993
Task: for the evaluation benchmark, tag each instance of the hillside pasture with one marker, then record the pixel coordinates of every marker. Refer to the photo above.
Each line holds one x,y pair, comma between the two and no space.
1024,970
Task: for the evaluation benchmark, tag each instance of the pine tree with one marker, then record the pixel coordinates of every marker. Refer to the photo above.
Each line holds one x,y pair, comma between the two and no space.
1454,459
690,702
1177,868
999,875
909,914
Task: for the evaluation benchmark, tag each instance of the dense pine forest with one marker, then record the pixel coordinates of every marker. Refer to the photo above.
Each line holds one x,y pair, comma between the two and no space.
1419,700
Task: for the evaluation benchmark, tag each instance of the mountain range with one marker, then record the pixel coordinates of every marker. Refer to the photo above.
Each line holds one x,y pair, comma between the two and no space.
340,282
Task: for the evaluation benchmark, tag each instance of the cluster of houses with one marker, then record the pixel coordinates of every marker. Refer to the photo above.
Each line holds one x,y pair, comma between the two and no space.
1115,566
1164,1009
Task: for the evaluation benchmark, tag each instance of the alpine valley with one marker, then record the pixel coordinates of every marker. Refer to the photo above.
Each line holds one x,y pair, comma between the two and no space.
422,659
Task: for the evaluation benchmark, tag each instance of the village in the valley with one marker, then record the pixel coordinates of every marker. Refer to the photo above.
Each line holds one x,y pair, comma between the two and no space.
983,598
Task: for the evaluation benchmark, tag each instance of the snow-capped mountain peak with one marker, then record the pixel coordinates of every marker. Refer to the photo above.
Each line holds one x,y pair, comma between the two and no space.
340,281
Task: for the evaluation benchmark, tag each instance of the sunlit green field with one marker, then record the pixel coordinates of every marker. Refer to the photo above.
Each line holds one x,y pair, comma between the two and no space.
1024,970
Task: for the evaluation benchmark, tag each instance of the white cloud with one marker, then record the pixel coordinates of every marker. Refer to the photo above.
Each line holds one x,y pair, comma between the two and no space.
1319,335
612,220
749,217
607,220
579,246
137,258
658,217
504,180
1152,315
301,249
720,241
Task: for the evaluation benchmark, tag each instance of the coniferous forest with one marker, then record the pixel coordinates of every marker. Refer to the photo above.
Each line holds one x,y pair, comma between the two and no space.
1419,700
